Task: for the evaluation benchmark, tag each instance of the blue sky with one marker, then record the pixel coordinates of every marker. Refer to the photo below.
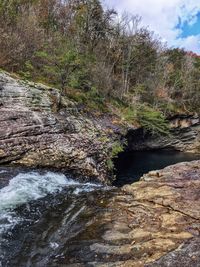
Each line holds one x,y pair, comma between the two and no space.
176,21
188,29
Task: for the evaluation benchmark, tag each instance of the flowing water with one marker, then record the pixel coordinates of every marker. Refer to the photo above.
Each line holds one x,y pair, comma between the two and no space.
42,215
49,219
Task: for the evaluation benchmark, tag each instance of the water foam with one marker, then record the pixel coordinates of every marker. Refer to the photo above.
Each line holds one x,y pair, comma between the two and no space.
30,186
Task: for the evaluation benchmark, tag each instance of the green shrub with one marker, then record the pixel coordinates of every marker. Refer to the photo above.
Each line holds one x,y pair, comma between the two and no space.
92,100
153,120
117,148
110,164
130,114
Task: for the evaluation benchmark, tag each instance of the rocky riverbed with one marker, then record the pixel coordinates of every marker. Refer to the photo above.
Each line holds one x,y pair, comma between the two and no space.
154,222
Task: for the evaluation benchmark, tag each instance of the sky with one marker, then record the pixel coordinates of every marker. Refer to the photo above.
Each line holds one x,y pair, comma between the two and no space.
176,21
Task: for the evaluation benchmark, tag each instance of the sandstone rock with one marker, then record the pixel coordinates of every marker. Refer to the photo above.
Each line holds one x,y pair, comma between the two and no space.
187,255
33,134
154,222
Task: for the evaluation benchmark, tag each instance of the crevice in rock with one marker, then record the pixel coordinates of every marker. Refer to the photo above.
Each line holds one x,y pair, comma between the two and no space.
170,208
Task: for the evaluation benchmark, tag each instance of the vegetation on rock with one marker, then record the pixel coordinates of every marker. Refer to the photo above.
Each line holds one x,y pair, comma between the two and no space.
117,147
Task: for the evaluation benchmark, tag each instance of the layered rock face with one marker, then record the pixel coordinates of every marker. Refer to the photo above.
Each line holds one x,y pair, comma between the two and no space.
154,222
185,136
32,134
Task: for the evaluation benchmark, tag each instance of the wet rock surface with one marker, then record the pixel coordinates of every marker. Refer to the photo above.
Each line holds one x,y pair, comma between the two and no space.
154,222
32,133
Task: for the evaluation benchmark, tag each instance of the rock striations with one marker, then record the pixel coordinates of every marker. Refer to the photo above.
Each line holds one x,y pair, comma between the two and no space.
32,133
185,136
152,223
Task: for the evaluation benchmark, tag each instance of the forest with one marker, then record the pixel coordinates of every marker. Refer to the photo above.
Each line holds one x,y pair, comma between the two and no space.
106,62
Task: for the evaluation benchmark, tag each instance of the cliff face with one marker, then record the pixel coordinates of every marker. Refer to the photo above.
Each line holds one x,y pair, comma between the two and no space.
33,134
185,136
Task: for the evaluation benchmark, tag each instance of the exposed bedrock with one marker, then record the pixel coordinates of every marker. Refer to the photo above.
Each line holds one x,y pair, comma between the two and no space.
184,136
33,133
154,222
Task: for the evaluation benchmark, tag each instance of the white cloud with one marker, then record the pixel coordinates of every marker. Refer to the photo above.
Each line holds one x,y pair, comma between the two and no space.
162,16
191,43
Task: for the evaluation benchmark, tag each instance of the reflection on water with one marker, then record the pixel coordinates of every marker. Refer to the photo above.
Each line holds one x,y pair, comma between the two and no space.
130,166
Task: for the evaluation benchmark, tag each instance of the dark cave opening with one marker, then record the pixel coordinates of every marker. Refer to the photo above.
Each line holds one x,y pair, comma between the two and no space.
138,159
